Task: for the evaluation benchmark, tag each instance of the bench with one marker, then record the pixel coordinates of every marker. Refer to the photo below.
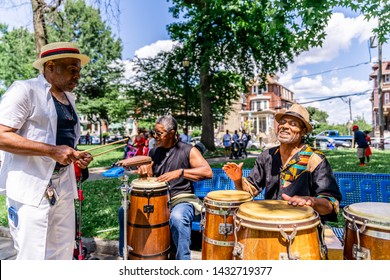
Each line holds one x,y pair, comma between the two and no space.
355,187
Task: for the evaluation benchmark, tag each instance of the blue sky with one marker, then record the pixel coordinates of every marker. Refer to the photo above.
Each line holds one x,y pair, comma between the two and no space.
142,29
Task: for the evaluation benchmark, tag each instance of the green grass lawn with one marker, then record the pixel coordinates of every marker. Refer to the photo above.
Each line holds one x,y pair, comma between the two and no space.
103,197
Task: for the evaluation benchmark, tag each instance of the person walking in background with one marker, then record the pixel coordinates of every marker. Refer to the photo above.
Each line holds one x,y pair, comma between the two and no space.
368,149
360,140
184,137
151,140
227,143
244,142
179,165
139,143
245,138
39,130
292,171
88,138
236,136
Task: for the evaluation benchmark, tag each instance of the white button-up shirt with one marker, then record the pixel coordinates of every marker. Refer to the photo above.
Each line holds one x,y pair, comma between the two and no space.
28,107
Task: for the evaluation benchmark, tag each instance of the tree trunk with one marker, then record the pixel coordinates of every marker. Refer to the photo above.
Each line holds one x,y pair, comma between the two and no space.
39,24
207,137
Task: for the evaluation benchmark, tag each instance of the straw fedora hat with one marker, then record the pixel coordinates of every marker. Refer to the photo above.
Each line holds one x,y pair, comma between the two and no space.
299,112
59,50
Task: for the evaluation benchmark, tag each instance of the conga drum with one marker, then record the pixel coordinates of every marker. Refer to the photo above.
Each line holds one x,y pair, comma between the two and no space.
218,233
148,233
275,230
367,231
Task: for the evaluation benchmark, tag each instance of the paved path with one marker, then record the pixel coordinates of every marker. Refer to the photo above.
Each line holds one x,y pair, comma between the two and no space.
102,249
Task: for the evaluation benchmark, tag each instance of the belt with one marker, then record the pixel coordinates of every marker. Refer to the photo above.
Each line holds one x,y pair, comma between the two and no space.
59,169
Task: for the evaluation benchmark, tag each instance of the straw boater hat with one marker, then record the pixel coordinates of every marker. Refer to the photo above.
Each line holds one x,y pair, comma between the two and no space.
299,112
59,50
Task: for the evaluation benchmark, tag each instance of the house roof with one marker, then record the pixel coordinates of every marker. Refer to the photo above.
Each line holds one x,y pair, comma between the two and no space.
385,69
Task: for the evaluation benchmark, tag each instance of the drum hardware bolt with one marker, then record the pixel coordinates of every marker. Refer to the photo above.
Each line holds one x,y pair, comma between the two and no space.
125,190
324,248
359,252
238,250
225,229
289,238
202,218
148,208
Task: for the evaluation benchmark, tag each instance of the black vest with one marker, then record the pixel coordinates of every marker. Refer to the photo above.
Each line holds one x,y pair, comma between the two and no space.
166,160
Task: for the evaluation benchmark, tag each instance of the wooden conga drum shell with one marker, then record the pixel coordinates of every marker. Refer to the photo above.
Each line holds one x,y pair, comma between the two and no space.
220,206
148,220
259,237
372,219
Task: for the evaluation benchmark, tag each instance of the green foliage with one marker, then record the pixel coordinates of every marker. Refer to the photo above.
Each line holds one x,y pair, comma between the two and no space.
17,53
196,132
317,115
226,41
3,212
372,9
100,87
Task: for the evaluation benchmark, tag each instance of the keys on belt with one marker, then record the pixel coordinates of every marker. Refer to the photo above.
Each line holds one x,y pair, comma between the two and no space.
51,194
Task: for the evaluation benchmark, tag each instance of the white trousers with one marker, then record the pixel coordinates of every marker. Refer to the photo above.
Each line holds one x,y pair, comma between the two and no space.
46,232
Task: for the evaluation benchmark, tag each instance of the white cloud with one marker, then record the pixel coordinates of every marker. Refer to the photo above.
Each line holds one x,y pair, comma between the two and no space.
340,33
148,51
153,49
344,35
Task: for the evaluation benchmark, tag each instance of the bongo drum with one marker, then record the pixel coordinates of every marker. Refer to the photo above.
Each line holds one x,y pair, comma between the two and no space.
148,232
275,230
218,234
367,231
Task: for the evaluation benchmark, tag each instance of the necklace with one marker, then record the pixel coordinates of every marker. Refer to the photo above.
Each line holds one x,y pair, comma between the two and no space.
65,109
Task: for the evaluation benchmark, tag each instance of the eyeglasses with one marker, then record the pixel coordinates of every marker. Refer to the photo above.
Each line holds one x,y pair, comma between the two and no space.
159,134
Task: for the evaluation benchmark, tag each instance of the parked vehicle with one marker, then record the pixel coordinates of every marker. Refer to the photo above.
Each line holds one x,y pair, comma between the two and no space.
114,138
252,144
330,143
375,143
335,135
94,140
196,139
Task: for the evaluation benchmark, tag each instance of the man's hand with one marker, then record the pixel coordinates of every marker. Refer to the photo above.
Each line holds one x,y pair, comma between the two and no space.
297,200
64,155
84,159
233,171
145,169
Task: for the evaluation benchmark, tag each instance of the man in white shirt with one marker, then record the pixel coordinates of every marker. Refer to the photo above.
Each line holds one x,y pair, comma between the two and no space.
39,130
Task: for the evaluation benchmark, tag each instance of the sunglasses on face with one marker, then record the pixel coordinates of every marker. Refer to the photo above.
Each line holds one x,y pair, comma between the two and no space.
160,134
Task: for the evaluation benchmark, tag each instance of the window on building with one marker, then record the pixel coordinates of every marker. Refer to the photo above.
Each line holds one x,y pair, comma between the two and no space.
255,89
387,78
262,124
386,98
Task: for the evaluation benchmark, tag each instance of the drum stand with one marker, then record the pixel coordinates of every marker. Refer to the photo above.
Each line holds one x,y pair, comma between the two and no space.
125,190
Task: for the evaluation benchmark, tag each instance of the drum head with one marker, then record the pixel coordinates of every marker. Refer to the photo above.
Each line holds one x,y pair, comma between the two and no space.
229,196
376,213
273,210
149,183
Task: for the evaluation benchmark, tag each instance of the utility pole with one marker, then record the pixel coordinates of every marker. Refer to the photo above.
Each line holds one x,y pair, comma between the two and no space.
380,95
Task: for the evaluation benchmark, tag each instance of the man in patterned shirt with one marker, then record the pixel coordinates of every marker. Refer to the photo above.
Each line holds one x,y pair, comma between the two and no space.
292,171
